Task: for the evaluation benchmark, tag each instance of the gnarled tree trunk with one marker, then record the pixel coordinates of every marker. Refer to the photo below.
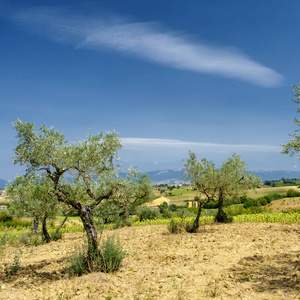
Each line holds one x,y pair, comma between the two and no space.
196,222
46,235
88,223
221,216
62,224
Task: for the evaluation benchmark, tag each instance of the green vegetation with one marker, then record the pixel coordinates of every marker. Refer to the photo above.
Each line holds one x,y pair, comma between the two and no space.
293,146
82,179
49,157
13,268
112,255
231,179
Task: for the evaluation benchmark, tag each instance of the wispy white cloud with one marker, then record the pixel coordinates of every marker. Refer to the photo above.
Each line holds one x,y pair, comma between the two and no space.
149,41
146,144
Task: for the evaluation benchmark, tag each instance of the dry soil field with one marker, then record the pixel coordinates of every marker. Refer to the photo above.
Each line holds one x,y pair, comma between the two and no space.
234,261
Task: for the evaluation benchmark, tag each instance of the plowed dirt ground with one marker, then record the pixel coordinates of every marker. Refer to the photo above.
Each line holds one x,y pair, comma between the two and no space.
230,261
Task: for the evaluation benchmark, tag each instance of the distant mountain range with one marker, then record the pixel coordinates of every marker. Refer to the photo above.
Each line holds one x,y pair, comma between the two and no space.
174,176
2,183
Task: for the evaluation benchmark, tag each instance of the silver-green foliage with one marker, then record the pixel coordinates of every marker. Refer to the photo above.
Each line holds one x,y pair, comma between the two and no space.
293,146
231,179
90,164
14,267
112,254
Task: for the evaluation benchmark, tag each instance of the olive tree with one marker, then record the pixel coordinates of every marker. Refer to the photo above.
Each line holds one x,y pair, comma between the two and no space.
203,176
293,146
29,197
89,162
234,180
231,179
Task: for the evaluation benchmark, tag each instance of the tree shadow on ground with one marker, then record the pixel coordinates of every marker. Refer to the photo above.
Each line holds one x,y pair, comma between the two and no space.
269,273
34,274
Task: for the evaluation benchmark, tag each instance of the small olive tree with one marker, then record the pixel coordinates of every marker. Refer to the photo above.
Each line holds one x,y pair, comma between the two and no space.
29,198
89,162
204,177
234,180
231,179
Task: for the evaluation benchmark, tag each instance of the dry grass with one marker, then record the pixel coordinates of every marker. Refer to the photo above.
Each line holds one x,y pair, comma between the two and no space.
181,199
270,190
285,204
233,261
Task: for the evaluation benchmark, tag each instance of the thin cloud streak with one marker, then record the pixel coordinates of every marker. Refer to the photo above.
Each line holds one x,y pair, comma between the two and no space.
149,41
145,143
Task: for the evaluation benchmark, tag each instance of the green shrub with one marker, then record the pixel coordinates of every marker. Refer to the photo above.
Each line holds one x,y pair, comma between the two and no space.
78,264
5,216
4,238
147,213
167,214
232,201
14,267
112,254
175,226
250,203
173,207
193,210
55,236
163,207
235,210
184,213
179,226
189,226
243,199
16,223
262,202
292,193
211,205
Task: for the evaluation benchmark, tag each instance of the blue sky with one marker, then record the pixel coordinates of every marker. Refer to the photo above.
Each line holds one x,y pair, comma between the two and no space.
210,76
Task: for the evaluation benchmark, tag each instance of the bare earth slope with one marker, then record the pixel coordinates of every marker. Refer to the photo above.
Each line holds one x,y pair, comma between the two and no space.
234,261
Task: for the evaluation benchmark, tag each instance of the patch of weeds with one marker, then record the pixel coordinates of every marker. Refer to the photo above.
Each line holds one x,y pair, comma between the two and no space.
55,236
13,268
175,226
214,293
109,260
4,238
189,226
24,238
63,296
77,262
36,240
